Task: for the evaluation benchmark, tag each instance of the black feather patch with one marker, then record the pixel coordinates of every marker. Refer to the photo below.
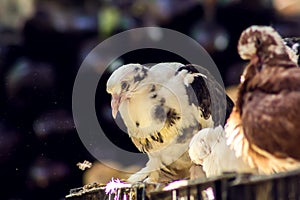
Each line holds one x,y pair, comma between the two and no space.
153,96
198,94
157,137
141,74
172,117
206,93
197,91
190,68
159,113
148,145
162,101
154,138
137,124
152,88
160,137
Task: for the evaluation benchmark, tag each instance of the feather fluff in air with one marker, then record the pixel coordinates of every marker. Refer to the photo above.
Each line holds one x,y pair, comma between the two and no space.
162,108
263,127
209,149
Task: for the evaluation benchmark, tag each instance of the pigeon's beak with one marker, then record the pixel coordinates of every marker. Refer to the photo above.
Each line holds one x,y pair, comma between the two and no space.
115,103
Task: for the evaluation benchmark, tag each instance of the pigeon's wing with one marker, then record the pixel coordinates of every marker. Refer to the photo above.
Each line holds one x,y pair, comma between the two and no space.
275,114
272,128
206,93
163,72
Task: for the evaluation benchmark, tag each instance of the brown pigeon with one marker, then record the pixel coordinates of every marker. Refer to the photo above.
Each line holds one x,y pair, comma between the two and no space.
264,126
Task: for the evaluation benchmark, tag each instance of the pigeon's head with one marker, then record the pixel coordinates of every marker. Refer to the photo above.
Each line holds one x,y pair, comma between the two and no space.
123,83
260,43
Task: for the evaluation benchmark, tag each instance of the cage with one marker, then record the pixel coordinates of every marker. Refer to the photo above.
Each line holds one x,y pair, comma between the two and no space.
139,191
284,185
200,189
229,186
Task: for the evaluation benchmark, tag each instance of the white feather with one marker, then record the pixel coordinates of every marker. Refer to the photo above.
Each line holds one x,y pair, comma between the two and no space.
209,149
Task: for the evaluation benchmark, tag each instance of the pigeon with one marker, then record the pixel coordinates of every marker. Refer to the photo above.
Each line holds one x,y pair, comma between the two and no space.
209,149
163,106
263,127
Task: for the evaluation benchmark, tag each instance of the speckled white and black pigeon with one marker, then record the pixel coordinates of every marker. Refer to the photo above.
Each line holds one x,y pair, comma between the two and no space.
163,106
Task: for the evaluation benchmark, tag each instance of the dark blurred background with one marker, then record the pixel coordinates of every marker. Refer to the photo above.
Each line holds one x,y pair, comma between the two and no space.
43,43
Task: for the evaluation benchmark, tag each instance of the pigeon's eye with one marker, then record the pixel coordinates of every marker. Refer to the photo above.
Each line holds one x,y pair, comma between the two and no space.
124,85
258,41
